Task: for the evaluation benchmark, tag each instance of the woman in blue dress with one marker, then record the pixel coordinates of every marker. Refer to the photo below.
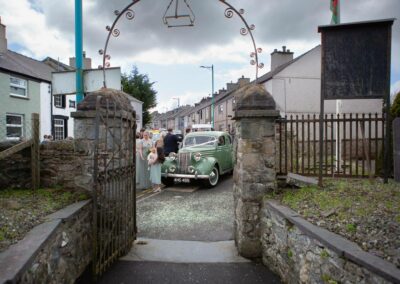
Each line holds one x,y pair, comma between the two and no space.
142,168
156,158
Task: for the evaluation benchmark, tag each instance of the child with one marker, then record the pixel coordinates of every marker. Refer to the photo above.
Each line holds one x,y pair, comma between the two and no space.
155,160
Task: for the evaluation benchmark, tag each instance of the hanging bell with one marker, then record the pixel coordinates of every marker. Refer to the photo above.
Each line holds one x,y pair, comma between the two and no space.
176,16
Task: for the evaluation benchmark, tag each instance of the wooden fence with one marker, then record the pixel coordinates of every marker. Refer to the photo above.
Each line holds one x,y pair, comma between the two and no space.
32,142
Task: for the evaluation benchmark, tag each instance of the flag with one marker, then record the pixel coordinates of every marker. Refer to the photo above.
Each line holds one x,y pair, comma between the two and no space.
335,8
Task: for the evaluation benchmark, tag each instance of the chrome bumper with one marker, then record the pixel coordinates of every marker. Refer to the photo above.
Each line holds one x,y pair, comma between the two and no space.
194,176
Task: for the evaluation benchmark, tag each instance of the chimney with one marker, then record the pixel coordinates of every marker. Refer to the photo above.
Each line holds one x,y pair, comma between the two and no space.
230,86
243,81
279,58
87,62
3,39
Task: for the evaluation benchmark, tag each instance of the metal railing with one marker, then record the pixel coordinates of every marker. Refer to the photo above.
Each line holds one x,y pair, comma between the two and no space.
352,145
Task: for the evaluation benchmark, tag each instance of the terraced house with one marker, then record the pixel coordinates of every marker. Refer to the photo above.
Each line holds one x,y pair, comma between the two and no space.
23,82
26,88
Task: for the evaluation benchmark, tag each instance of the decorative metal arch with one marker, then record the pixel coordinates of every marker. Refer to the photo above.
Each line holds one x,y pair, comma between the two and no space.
130,15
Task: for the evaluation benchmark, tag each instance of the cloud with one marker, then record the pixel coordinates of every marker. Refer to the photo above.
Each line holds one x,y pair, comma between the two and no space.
27,27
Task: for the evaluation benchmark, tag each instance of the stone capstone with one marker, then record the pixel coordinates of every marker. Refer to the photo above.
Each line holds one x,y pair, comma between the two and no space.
255,97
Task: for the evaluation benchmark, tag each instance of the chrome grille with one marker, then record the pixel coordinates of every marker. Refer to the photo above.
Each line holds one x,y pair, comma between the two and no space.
183,162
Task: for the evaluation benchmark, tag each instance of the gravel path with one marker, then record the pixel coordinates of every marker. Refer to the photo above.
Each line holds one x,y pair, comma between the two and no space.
203,215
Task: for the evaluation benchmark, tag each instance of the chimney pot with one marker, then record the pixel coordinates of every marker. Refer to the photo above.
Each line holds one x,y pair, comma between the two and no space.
3,39
275,50
284,48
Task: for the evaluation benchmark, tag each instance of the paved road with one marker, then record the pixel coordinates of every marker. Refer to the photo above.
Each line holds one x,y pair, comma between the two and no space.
185,236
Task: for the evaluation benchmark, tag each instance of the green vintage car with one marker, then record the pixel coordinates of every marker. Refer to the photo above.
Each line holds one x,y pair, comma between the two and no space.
203,156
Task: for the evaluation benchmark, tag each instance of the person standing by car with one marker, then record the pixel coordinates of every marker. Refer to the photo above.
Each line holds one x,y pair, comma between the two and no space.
155,160
170,143
144,147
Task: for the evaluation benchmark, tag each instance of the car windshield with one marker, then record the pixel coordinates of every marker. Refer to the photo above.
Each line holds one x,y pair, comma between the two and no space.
155,137
194,141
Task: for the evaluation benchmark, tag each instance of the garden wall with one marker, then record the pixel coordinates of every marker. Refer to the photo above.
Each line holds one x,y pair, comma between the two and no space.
57,251
60,164
303,253
15,171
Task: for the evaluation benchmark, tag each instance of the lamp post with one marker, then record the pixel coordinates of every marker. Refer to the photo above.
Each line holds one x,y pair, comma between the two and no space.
178,101
212,91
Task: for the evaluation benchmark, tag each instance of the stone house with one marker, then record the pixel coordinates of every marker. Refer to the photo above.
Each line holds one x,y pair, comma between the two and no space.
225,103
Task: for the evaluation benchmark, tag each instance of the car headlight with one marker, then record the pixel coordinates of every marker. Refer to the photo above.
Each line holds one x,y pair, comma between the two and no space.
191,169
172,169
197,157
173,156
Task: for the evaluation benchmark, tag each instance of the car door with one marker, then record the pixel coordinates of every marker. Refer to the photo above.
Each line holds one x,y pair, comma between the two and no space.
224,157
228,154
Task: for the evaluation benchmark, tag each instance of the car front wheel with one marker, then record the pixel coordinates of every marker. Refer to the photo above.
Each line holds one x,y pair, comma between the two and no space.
214,177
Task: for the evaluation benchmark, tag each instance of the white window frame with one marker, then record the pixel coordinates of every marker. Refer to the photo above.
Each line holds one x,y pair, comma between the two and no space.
58,101
19,86
58,125
15,125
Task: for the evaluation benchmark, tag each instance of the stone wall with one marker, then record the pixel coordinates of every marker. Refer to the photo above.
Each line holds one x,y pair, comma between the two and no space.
60,163
303,253
57,251
15,171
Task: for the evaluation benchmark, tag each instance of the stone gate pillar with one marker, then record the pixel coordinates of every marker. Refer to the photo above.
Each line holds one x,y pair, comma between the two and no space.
120,109
254,173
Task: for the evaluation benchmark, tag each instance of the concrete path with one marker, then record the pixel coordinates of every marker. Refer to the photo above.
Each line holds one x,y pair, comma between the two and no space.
125,272
184,252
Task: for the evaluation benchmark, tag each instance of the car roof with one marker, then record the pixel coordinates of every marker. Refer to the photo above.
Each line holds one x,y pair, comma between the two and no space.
206,133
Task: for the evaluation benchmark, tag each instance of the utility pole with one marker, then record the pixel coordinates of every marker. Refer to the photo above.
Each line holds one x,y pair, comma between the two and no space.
79,50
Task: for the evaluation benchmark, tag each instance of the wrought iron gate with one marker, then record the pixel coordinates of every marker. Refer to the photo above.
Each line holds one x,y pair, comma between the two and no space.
114,200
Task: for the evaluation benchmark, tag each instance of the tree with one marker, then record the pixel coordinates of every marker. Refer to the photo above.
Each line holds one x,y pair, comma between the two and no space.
139,86
395,111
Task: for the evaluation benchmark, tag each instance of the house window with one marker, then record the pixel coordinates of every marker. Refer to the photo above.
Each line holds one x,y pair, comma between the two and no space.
221,108
71,104
207,113
18,87
15,126
201,114
233,103
59,129
59,101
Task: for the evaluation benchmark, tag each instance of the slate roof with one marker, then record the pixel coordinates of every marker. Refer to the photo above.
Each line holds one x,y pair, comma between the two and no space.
56,65
23,65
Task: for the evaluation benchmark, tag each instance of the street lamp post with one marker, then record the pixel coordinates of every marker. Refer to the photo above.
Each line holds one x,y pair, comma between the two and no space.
178,101
212,91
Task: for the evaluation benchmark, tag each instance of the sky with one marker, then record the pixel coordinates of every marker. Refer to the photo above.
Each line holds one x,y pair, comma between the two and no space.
171,57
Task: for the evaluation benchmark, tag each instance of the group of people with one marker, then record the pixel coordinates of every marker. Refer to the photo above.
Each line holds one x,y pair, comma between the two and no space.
150,156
